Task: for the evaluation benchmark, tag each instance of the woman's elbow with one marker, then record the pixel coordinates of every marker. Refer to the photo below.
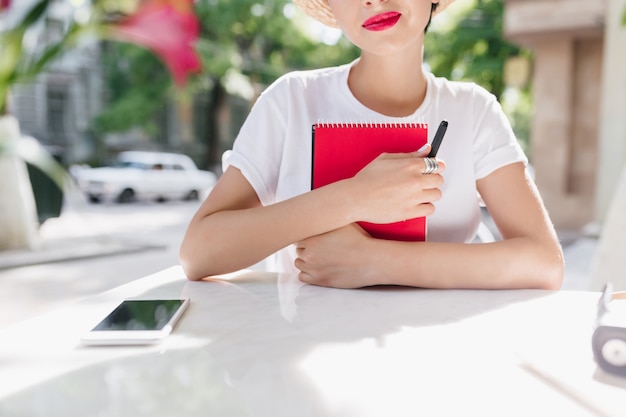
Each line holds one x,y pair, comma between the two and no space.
191,261
552,270
191,276
204,260
191,273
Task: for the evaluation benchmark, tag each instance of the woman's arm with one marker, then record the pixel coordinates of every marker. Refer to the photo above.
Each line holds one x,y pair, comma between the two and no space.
232,230
528,256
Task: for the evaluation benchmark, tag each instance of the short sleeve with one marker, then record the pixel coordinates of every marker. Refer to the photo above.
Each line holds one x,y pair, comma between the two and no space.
495,143
258,148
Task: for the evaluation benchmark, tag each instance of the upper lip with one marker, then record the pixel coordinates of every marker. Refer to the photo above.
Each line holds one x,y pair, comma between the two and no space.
381,17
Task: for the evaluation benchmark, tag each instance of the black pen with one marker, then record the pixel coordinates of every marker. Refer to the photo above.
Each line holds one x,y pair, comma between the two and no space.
443,126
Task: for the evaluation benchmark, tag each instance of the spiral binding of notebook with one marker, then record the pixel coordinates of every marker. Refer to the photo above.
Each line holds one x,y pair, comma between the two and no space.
340,150
408,124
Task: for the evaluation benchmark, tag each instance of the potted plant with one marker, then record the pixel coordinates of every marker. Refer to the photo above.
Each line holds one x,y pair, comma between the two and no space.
168,28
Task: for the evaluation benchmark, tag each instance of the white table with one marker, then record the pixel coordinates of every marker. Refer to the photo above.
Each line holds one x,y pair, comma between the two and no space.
263,344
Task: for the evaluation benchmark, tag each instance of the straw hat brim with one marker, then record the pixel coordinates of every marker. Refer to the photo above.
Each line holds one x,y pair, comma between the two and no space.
320,10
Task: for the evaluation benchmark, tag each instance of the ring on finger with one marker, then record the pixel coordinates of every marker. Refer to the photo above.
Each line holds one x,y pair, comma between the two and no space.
431,166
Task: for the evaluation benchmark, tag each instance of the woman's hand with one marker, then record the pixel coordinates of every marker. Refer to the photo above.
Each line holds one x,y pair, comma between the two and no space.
336,259
393,187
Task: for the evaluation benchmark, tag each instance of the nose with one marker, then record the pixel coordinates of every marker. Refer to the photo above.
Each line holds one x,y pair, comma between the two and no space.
370,3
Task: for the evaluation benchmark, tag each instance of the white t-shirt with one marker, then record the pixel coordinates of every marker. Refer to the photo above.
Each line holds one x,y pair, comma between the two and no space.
273,147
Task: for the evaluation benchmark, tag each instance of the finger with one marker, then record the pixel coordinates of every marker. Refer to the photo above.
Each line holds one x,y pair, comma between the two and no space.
425,209
442,166
425,203
298,263
305,278
420,153
432,194
433,166
423,151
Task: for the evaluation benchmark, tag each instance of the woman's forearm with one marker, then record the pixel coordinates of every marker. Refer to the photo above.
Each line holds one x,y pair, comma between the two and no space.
233,231
228,240
521,262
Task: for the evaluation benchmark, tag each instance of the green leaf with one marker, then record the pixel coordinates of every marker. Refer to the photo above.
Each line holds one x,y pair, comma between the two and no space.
35,14
40,64
11,46
624,17
31,151
50,53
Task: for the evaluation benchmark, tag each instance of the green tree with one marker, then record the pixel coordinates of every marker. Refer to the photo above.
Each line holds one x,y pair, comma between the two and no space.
254,38
137,85
249,37
474,49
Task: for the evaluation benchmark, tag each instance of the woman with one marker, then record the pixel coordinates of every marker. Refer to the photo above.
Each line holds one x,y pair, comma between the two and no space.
262,203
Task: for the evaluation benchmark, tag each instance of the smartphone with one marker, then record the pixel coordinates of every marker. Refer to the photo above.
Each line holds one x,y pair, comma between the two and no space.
137,322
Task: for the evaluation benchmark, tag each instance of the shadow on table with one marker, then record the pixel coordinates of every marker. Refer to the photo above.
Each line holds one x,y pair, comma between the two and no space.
253,333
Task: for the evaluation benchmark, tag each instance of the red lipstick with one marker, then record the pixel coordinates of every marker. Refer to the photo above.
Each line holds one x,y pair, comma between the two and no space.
382,21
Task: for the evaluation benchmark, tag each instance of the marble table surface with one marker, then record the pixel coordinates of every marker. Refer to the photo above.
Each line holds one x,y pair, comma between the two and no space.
264,344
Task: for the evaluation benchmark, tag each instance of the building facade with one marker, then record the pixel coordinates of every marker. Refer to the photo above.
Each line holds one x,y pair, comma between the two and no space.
566,37
577,133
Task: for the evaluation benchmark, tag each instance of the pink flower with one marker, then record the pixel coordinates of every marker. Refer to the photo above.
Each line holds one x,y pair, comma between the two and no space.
168,28
4,4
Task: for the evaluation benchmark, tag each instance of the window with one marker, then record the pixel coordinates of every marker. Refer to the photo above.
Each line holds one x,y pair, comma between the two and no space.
57,100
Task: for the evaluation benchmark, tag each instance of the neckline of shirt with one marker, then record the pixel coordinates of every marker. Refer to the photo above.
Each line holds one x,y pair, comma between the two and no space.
418,114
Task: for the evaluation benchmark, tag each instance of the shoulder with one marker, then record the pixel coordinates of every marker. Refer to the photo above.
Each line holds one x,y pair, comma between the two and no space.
464,100
309,80
459,90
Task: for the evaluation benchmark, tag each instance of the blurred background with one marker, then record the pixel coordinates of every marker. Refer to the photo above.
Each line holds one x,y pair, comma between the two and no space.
557,67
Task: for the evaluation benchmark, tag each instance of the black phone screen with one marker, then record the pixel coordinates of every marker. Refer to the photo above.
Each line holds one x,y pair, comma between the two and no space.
140,315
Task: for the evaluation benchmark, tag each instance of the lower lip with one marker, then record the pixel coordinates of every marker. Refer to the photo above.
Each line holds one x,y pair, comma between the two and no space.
383,24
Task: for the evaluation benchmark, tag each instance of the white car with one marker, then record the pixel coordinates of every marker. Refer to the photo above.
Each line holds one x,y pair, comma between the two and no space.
145,175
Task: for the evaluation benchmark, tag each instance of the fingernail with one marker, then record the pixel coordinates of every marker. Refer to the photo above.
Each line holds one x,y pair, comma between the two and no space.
423,148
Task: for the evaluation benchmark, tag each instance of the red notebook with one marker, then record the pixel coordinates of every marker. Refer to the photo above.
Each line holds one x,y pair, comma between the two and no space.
340,150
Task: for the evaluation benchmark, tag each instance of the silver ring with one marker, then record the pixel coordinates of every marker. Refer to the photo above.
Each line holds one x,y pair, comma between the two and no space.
431,166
